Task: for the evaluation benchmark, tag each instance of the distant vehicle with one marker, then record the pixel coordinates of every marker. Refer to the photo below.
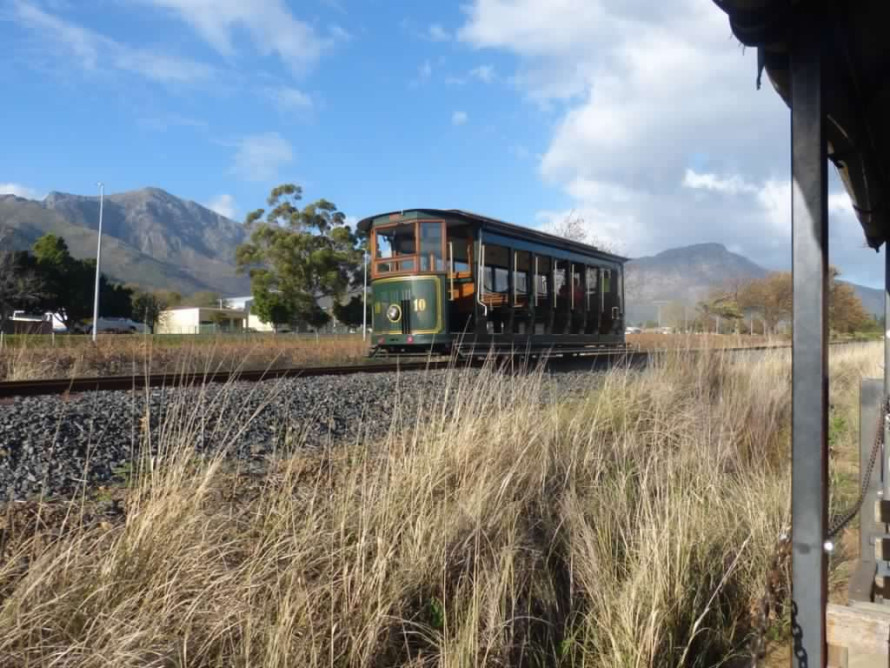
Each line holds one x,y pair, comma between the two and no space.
117,326
633,330
665,330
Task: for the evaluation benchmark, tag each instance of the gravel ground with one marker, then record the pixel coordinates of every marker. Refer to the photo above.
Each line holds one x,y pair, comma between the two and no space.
50,444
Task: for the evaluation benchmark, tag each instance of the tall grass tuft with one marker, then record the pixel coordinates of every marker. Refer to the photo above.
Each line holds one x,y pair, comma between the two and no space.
515,524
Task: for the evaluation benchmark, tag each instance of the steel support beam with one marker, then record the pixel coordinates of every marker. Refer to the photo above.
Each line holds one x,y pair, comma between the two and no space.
885,451
809,495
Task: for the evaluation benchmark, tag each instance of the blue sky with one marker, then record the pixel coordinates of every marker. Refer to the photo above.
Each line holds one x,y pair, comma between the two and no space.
640,118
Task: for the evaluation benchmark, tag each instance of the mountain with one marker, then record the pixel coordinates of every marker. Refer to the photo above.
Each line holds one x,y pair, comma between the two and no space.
688,273
150,237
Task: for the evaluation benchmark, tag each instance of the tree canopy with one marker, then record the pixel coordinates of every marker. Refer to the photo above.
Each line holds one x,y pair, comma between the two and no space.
297,255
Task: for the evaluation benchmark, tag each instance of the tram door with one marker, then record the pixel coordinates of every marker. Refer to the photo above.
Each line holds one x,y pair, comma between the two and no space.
610,301
461,289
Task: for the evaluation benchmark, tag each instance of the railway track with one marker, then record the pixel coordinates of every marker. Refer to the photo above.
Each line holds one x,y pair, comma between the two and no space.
61,386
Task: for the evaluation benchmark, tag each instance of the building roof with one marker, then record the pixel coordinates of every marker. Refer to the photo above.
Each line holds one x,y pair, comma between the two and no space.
856,88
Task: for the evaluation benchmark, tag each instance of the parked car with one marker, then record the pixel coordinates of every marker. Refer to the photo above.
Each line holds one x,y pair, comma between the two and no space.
633,330
117,326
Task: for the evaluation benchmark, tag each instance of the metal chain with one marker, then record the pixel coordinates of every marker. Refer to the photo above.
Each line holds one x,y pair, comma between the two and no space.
775,583
775,579
841,520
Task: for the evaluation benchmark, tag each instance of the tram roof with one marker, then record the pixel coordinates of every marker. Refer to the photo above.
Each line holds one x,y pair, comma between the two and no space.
503,227
856,88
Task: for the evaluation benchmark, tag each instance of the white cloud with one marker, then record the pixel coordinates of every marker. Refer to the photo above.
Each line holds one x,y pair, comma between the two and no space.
289,99
425,71
659,137
224,205
259,157
19,190
484,73
437,33
88,49
732,185
271,25
459,118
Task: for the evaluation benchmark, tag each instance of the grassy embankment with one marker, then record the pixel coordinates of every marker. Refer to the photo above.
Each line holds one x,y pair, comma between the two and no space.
628,527
33,357
26,358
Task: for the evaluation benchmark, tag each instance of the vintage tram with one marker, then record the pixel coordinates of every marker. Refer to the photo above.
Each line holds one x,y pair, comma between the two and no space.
453,281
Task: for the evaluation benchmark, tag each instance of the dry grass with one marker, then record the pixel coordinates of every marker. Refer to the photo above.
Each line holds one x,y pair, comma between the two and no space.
126,355
679,341
628,527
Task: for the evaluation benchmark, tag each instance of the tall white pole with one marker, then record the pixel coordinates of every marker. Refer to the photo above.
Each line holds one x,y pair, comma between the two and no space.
98,264
365,298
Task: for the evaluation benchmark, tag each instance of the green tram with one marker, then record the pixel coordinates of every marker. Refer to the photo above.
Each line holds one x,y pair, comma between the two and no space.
450,280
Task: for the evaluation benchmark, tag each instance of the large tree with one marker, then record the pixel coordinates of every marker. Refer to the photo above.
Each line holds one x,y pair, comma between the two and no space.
297,255
771,296
69,285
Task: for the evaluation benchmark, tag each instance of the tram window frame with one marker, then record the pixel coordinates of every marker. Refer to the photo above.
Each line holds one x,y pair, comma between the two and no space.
404,263
496,270
522,270
592,287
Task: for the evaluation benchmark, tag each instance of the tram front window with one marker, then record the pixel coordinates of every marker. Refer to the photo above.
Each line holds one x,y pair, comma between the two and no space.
392,243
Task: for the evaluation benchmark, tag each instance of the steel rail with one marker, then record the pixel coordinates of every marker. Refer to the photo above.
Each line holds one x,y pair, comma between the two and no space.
57,386
61,386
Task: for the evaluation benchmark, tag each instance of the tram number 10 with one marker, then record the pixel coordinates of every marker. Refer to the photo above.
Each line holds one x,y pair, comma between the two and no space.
419,305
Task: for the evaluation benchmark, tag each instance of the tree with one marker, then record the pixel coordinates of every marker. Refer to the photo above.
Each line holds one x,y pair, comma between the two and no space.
20,285
148,306
296,256
350,314
771,296
575,228
69,284
845,311
204,298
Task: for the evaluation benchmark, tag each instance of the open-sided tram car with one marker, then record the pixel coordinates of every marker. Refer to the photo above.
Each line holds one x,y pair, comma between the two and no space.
447,279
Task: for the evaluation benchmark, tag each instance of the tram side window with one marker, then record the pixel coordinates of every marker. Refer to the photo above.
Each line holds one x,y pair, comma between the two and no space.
496,274
431,247
459,244
542,279
559,279
523,265
592,274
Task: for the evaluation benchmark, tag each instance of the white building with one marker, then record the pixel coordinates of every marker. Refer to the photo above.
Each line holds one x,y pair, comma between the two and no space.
253,322
200,320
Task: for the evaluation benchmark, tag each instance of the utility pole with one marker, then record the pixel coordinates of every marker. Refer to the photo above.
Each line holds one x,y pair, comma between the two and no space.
98,264
365,297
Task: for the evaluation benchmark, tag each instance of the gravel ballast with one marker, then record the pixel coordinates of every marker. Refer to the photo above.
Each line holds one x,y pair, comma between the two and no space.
50,445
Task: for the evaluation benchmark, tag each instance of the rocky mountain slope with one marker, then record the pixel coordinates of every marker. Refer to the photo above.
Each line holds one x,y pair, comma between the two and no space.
150,237
688,273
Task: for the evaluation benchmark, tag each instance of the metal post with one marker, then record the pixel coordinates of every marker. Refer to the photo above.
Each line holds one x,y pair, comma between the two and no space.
884,454
365,298
98,264
809,214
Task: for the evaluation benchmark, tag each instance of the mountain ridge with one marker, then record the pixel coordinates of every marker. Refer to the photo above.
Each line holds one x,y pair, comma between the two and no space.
162,241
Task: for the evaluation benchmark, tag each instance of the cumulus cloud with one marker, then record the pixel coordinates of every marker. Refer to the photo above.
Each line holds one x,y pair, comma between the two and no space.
289,99
19,190
660,137
270,24
459,118
224,205
86,49
259,157
437,33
